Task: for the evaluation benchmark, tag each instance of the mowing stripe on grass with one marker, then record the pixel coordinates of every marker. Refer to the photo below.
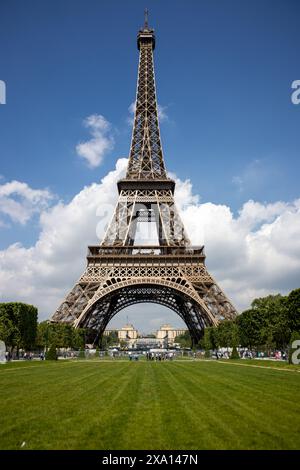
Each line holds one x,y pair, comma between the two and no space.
251,365
148,405
242,408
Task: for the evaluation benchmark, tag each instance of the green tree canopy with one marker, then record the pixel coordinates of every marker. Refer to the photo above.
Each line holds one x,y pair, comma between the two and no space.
209,340
109,340
18,325
184,340
51,354
227,334
293,308
250,324
266,323
269,323
62,335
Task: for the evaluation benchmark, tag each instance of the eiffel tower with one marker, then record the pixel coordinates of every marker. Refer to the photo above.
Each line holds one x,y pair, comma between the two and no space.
123,271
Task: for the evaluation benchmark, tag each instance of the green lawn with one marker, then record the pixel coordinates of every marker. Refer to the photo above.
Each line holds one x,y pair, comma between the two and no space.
142,405
264,363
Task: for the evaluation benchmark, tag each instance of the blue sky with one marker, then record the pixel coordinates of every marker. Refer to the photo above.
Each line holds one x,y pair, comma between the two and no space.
224,70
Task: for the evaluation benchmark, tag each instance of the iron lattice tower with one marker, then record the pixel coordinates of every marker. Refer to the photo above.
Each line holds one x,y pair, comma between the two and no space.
121,271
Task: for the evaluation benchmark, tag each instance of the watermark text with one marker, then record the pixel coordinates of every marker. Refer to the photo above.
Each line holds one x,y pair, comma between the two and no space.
295,97
2,92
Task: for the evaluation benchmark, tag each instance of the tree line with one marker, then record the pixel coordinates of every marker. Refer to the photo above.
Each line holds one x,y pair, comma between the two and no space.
20,330
18,325
272,322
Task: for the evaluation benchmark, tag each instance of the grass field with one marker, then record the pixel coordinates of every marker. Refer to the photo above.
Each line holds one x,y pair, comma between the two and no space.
141,405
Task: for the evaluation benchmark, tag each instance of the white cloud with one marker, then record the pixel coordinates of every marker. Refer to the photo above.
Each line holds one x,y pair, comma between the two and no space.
162,113
183,193
251,254
131,107
102,141
238,182
19,202
43,273
256,175
252,174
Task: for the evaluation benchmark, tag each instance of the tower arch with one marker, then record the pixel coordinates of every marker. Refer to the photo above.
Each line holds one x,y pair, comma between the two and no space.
101,311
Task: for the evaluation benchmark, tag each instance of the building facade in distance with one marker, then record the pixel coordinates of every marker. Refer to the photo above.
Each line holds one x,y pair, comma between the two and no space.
166,334
164,337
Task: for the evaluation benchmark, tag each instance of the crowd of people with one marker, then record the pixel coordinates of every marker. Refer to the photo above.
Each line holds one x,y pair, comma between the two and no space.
26,356
159,356
247,354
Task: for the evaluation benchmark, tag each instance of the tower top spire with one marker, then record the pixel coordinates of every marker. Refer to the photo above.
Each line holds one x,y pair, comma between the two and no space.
146,34
146,25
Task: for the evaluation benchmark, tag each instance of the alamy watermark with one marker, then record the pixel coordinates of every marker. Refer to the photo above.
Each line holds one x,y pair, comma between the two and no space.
2,92
296,353
295,96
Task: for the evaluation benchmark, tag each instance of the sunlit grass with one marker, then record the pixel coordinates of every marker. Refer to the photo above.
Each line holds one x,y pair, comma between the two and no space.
147,405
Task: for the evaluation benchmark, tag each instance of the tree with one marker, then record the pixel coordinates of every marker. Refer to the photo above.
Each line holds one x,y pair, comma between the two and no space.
235,335
61,334
267,338
18,324
78,338
43,338
227,334
293,308
266,324
234,353
27,316
51,353
250,324
273,312
9,332
109,340
123,344
209,340
184,340
82,354
234,341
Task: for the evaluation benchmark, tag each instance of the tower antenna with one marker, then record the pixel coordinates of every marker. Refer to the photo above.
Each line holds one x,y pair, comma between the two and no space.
146,26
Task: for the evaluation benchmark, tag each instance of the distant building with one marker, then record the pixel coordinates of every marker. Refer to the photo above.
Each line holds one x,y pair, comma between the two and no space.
164,337
147,343
166,334
109,331
128,333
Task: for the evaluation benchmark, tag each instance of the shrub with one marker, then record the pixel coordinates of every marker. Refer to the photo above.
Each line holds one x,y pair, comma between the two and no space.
51,353
234,353
81,354
207,353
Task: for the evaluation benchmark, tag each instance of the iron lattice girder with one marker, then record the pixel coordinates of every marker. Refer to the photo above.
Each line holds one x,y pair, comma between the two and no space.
107,274
146,156
122,228
103,311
